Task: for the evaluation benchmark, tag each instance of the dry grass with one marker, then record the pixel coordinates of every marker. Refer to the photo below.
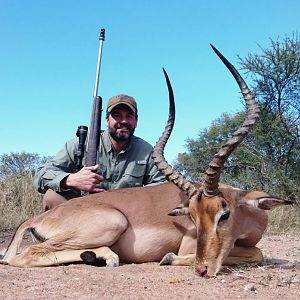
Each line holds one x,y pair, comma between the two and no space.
284,219
18,201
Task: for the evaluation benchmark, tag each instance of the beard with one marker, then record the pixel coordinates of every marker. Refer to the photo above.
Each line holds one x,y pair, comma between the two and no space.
121,133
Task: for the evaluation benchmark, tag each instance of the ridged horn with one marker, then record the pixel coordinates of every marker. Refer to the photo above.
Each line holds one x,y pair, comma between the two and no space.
212,174
171,175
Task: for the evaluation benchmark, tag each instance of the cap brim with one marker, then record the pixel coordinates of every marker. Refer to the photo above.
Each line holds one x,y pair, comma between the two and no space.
109,109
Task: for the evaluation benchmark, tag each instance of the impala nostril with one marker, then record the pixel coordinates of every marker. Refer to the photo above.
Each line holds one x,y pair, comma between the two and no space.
201,270
204,272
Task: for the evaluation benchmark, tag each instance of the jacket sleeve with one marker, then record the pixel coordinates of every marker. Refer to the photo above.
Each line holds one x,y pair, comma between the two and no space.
56,169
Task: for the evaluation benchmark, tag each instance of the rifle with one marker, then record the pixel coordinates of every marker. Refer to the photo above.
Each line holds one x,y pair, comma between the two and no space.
95,124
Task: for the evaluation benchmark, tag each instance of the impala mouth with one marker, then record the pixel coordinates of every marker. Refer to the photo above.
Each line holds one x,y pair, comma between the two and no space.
204,273
201,270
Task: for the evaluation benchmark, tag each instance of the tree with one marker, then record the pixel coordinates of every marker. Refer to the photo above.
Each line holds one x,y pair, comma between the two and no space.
269,157
276,76
17,163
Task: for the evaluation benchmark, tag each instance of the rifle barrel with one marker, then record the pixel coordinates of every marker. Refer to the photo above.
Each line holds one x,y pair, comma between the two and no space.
101,38
94,130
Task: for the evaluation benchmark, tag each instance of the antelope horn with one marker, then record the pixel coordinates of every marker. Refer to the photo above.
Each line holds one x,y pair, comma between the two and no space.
171,175
212,174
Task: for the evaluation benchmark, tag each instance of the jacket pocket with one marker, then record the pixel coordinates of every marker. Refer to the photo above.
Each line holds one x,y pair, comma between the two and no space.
135,176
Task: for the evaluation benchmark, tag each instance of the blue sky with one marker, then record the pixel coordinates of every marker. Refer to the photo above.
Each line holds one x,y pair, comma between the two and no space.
49,50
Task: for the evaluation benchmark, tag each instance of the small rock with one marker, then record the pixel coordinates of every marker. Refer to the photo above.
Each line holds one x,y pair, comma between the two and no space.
250,287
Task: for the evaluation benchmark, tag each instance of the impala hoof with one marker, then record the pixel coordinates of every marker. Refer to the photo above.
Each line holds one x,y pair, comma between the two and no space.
112,261
3,262
167,259
112,264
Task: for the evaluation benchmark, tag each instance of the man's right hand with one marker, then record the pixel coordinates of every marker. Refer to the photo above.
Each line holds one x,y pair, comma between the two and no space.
86,180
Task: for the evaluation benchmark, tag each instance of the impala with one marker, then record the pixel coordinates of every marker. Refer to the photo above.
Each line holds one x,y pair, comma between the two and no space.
177,223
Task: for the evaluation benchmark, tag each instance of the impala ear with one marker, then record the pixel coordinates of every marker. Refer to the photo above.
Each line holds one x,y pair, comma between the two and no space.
180,210
266,203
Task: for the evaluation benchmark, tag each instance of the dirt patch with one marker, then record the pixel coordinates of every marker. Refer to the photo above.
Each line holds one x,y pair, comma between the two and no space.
277,278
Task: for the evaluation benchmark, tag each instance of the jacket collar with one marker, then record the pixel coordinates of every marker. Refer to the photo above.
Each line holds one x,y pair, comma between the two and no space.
108,145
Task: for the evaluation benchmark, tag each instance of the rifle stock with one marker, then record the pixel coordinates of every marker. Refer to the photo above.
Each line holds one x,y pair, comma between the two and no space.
94,133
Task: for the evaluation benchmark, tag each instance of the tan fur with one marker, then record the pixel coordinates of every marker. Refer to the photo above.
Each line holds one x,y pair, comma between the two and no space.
135,224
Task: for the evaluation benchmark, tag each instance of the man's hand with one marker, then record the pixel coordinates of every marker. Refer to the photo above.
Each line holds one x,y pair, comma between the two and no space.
85,180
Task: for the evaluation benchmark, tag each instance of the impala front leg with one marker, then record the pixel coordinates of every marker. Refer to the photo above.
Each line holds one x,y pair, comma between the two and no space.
175,260
244,256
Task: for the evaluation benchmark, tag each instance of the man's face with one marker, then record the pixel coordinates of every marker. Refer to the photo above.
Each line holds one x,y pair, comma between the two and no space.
121,123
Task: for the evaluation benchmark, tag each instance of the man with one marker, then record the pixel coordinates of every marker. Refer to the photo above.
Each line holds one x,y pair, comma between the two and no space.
124,160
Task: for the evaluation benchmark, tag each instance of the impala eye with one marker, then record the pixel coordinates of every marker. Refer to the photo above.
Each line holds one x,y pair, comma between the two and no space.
225,216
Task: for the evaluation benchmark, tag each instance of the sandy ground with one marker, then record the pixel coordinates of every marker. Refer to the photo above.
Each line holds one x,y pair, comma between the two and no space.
277,278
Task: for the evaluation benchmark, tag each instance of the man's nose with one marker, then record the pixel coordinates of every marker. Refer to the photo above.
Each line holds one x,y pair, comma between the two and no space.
123,120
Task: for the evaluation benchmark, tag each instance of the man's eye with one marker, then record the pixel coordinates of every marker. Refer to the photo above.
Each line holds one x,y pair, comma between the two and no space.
225,216
115,116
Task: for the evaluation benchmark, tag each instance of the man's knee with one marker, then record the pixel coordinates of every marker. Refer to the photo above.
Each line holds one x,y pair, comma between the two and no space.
52,199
